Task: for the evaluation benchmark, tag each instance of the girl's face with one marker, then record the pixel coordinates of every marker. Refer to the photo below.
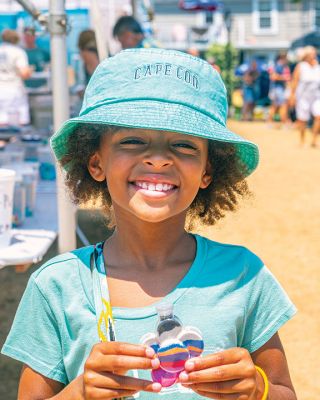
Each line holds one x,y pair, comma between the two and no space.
151,175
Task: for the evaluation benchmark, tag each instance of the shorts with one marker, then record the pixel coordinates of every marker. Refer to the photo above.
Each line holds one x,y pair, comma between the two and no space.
305,109
14,108
278,95
248,94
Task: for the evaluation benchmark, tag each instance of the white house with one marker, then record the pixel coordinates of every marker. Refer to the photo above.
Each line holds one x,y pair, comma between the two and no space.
259,28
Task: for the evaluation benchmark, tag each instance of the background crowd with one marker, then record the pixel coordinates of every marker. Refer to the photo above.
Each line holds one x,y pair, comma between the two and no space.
289,92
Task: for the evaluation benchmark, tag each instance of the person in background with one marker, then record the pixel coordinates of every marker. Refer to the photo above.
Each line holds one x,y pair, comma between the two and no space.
212,61
37,57
237,102
193,51
250,90
14,69
305,93
279,76
88,51
130,34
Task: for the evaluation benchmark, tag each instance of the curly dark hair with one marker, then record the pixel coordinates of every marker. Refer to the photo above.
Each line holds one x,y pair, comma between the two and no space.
210,204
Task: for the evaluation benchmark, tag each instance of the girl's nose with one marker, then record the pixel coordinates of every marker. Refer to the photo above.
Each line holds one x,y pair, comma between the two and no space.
157,163
158,158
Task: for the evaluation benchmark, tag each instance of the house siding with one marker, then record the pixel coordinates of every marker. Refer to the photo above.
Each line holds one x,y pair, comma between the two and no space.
293,21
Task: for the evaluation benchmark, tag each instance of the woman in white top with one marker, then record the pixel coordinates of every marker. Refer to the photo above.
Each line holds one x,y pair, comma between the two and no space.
14,68
305,93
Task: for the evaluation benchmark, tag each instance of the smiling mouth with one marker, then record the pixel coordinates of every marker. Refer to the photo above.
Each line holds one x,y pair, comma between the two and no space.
154,187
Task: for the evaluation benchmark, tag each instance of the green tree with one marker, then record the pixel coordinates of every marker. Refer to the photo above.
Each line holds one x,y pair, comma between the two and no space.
226,56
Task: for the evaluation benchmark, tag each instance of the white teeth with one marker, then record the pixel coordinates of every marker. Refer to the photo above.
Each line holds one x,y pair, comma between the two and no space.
159,187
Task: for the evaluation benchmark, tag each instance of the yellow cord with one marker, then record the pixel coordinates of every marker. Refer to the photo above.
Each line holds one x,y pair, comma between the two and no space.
266,383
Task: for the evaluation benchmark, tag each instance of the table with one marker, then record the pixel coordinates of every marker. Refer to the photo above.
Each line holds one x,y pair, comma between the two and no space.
29,244
9,134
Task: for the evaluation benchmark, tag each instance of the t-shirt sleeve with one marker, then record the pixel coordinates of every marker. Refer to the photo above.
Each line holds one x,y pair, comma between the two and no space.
268,308
34,338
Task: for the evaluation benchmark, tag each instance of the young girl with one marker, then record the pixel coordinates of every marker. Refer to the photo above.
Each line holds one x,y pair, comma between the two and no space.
152,145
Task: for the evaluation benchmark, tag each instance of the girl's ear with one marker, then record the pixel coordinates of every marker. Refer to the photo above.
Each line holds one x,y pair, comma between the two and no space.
95,168
206,178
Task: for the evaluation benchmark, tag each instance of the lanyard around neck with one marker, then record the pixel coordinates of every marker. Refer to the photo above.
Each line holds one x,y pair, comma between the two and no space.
104,317
105,322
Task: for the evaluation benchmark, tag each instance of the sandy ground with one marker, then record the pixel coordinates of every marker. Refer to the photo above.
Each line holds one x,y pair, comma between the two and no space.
280,223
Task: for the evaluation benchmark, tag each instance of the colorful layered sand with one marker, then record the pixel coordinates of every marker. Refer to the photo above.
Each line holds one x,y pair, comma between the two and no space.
164,377
173,357
195,347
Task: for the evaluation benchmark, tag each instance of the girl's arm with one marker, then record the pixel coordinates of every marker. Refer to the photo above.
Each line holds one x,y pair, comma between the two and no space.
34,386
271,358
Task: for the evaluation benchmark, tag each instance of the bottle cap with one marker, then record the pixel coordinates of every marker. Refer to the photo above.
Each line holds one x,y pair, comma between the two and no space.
164,309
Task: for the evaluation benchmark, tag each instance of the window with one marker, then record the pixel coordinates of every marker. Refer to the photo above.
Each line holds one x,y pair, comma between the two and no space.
209,17
264,9
265,16
317,14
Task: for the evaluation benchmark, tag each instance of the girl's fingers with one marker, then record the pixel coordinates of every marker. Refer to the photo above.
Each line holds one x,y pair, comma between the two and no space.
228,387
219,396
120,356
229,356
122,382
215,374
227,365
106,363
122,348
103,394
114,363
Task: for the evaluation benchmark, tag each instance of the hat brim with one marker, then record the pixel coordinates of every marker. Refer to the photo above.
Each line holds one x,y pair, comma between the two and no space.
157,115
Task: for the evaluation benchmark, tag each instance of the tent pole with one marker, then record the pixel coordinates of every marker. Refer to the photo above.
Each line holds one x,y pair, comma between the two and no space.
60,93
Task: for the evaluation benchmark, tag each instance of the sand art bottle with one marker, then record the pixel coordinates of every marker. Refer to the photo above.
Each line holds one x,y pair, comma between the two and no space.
173,343
172,353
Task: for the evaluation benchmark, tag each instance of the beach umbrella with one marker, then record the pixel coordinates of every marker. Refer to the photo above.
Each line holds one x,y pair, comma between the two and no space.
310,39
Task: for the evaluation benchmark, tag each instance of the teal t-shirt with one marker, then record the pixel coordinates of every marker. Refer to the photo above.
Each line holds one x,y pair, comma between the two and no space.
227,293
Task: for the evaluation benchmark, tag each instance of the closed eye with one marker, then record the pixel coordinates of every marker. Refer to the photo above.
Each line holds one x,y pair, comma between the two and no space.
132,141
184,147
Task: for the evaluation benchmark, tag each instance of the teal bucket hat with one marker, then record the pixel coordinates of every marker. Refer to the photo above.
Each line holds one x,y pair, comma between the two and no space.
158,89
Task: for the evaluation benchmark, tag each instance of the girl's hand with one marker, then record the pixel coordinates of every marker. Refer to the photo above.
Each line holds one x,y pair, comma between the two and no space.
104,371
229,375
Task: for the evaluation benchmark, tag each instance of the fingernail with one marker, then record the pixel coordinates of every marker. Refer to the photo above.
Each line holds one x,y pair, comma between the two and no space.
183,377
189,365
156,387
150,352
155,363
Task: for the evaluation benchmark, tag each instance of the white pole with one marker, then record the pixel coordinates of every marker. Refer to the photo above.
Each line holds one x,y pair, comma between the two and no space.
99,30
134,8
60,92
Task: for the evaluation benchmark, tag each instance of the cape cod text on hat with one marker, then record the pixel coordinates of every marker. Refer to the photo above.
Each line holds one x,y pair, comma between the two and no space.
166,69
